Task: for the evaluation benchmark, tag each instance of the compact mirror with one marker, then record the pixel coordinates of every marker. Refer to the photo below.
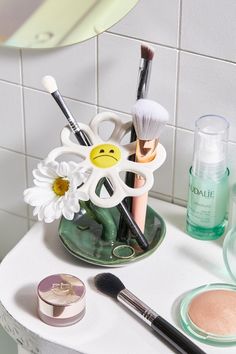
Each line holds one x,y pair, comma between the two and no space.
57,23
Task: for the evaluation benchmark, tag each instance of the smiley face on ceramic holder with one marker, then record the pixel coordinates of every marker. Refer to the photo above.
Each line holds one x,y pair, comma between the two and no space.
108,159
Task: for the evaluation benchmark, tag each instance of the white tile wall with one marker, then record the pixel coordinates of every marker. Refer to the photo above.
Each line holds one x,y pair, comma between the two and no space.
206,86
74,68
10,65
183,158
12,227
209,27
12,124
13,182
193,73
153,21
44,120
31,165
164,176
118,62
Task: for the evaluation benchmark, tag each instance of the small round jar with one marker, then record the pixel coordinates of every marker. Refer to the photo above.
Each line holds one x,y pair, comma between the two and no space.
61,300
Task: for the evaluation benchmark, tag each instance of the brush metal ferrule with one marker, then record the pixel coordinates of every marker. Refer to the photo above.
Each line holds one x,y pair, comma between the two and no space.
72,122
137,306
143,78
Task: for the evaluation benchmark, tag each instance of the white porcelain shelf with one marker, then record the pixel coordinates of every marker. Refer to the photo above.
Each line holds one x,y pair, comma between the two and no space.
178,265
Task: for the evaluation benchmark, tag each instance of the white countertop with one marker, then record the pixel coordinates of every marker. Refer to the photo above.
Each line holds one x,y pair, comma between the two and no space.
180,264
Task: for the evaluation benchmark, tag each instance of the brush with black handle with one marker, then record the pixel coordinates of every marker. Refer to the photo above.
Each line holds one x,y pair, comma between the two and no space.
147,54
51,86
112,286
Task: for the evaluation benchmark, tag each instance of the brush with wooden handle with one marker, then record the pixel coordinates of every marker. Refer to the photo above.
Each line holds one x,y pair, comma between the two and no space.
149,119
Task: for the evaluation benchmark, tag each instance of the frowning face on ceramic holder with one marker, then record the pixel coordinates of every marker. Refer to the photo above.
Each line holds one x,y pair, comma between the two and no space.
105,155
108,159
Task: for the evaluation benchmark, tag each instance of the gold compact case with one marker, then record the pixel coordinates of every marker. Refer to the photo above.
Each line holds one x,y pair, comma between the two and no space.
61,300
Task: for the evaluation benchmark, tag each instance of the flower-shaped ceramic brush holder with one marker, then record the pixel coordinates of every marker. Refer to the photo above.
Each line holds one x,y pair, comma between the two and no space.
108,159
92,235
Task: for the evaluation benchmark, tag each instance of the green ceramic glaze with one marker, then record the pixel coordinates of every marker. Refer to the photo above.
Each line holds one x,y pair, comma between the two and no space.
103,217
84,237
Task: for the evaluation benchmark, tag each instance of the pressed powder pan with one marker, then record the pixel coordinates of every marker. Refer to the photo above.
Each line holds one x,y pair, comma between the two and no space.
208,313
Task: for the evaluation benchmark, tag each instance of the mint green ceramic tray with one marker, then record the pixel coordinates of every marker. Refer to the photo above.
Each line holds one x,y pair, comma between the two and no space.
83,238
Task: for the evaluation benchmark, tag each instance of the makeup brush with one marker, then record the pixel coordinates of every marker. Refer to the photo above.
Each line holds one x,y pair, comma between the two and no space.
147,54
149,119
51,86
112,286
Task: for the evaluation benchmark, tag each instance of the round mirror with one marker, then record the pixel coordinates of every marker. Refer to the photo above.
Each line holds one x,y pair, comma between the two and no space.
57,23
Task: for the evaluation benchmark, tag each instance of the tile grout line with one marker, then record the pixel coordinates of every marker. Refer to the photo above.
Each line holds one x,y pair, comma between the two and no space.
40,157
180,25
24,132
97,73
177,47
15,214
176,104
42,91
162,196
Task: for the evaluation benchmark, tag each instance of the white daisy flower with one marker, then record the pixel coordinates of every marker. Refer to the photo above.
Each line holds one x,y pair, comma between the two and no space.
56,191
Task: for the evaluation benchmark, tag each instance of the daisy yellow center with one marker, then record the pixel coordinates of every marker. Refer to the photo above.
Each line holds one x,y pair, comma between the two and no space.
60,186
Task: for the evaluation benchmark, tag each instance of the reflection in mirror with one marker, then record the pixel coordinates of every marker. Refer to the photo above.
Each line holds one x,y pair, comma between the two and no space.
56,23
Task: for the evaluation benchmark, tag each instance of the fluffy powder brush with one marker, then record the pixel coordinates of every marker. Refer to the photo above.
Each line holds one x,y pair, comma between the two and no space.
149,120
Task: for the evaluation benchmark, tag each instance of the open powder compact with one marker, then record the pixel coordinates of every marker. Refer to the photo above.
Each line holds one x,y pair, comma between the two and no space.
208,313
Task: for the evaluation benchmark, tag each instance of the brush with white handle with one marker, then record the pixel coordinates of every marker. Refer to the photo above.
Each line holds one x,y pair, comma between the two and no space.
149,119
51,86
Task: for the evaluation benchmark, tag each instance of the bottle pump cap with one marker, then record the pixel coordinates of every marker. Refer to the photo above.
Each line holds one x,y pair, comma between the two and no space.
210,147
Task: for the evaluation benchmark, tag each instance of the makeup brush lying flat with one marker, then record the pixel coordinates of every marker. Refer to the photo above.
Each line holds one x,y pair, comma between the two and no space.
147,54
110,285
149,120
51,86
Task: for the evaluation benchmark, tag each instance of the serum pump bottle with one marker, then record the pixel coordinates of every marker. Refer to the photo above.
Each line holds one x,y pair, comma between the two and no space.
208,179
